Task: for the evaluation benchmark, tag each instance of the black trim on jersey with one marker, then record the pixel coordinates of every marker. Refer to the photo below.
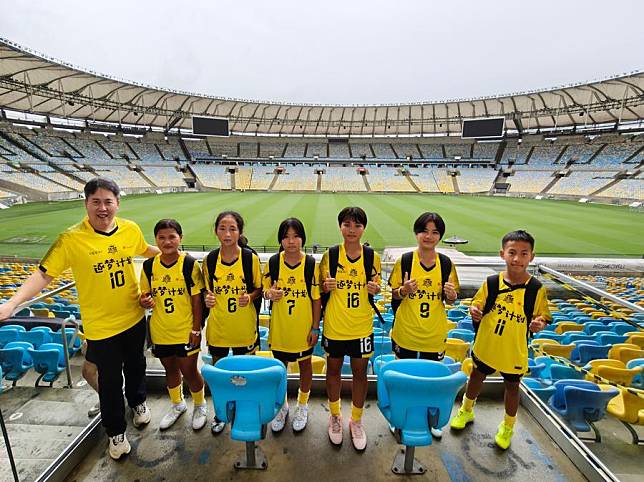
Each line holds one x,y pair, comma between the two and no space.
103,233
42,268
168,266
309,270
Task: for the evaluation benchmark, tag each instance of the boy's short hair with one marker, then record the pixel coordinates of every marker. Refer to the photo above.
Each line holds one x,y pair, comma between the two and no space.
353,213
97,183
423,219
518,235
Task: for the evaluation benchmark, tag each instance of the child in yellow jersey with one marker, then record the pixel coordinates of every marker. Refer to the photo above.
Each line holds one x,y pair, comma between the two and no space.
175,325
232,322
348,320
295,313
503,325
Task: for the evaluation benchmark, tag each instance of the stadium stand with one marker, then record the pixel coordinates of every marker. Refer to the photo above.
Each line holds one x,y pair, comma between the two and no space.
476,180
582,183
387,179
485,150
297,178
581,153
342,179
117,149
219,149
164,176
317,149
295,150
544,156
198,150
60,178
339,150
89,148
268,149
515,152
248,150
171,150
262,178
407,150
147,153
359,150
243,178
212,176
383,151
460,150
627,189
431,151
529,181
432,180
615,154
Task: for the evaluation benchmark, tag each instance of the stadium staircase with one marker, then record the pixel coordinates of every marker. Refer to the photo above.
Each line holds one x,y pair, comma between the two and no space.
366,183
318,185
411,181
274,181
563,151
457,189
591,158
24,190
184,148
233,179
149,180
603,188
550,184
498,178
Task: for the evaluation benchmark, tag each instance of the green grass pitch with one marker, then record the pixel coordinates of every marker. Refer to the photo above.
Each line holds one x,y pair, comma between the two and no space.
560,227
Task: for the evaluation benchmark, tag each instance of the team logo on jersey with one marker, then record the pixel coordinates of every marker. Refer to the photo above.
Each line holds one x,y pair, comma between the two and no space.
166,278
353,273
230,277
291,280
112,249
427,282
509,298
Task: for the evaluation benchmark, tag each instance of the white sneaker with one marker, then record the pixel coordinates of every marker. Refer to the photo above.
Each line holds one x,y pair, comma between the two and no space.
95,410
199,416
358,435
118,446
277,425
217,426
300,418
335,429
437,432
176,410
141,415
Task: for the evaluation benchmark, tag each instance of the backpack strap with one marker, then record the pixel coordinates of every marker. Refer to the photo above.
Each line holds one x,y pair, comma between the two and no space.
446,270
309,271
406,261
211,266
334,256
188,266
147,269
492,292
247,266
367,258
530,298
274,267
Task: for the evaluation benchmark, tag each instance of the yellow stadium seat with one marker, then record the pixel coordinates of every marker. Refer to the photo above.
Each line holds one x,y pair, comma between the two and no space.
566,326
636,338
544,341
613,352
621,376
456,348
264,320
468,365
563,351
264,353
628,408
318,363
627,354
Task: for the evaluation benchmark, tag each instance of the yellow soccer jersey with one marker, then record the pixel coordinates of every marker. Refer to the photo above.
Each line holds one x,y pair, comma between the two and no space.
502,338
291,316
228,323
172,319
103,267
421,321
348,314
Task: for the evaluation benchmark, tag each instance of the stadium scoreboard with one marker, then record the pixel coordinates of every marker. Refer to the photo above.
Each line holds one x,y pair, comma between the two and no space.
483,128
210,126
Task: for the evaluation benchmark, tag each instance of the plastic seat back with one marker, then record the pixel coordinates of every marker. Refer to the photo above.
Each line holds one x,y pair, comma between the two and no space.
48,360
638,379
592,352
580,402
380,360
416,395
7,336
465,335
247,392
13,327
36,338
544,392
15,359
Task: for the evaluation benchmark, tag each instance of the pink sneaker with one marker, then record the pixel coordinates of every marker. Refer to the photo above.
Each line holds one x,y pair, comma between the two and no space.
358,435
335,429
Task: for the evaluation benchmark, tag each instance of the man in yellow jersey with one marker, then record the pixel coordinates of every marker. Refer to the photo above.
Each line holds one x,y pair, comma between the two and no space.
100,251
348,320
505,310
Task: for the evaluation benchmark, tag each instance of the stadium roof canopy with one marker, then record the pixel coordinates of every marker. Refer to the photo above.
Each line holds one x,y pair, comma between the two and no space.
31,82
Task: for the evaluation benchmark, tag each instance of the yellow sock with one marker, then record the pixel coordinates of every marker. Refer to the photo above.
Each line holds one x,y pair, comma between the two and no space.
356,413
303,397
335,407
509,421
468,404
176,394
198,398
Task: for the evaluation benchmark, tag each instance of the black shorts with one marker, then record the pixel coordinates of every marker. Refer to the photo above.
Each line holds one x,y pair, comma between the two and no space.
488,370
404,353
356,348
222,351
180,350
289,357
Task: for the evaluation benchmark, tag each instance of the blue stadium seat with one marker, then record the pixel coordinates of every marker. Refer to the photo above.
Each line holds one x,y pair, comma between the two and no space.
563,372
592,327
551,335
13,327
15,360
455,314
611,339
580,403
638,380
72,348
465,335
49,361
544,392
36,338
621,328
535,368
381,346
7,336
415,396
247,392
592,352
380,360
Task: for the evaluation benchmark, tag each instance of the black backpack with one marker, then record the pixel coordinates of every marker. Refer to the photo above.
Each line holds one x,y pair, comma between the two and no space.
405,268
188,266
309,270
247,267
529,298
367,259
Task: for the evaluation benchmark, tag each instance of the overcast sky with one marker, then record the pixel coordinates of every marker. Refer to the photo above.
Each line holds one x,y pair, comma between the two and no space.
337,52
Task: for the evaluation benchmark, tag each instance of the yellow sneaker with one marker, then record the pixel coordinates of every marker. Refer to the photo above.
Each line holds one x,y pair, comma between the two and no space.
463,417
504,435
